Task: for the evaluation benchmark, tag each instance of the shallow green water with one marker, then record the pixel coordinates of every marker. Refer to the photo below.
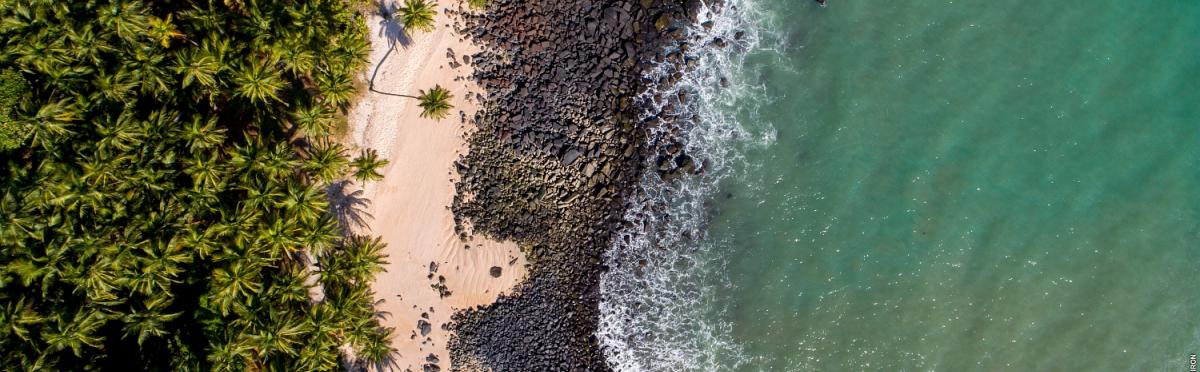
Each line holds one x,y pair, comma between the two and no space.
969,185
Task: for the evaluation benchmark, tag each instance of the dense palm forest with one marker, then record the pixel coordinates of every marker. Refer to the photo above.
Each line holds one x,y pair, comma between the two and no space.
163,199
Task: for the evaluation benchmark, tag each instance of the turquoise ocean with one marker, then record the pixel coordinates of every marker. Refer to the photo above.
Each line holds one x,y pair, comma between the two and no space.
966,185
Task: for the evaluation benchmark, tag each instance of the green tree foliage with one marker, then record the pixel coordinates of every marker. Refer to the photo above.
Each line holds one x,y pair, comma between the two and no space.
168,203
13,89
367,165
435,102
417,15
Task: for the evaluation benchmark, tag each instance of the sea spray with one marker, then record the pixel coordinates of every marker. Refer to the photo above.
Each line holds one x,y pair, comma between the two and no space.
956,186
550,163
660,309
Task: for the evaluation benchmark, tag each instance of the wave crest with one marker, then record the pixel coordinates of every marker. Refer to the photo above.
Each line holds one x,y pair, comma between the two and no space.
659,309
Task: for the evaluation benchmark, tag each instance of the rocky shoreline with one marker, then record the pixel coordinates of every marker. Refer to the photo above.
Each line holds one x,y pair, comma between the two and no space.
565,132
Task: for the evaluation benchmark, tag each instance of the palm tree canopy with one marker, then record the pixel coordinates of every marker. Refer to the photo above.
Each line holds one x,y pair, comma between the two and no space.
417,15
367,166
163,177
435,103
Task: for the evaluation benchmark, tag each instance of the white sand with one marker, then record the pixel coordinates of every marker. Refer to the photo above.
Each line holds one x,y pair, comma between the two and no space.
410,206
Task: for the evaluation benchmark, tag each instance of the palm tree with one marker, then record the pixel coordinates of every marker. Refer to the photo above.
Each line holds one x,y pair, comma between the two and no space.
326,327
367,165
54,121
276,237
417,15
337,89
295,57
231,355
17,318
304,202
127,18
87,44
234,285
435,103
167,189
261,194
197,66
76,333
314,120
291,285
203,134
326,161
320,235
150,323
281,335
279,163
364,257
257,82
154,74
163,30
376,349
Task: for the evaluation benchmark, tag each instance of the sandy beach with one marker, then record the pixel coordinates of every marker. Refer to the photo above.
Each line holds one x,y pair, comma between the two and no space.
409,208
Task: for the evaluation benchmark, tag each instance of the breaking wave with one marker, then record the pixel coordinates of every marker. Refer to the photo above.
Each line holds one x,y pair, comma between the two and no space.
660,309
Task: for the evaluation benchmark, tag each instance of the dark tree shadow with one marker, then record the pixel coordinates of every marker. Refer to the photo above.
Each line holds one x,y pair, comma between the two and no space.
371,83
348,207
396,35
390,28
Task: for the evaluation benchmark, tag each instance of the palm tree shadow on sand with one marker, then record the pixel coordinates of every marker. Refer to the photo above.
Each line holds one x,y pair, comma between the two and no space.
390,27
349,207
394,31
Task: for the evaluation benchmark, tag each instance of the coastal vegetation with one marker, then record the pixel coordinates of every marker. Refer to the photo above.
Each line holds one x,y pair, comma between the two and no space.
367,165
435,102
13,88
163,199
417,15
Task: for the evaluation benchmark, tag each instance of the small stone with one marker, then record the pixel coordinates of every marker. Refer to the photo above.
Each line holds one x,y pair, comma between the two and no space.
495,271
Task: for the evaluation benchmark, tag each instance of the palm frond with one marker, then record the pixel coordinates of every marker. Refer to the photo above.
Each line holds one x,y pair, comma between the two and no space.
417,15
435,103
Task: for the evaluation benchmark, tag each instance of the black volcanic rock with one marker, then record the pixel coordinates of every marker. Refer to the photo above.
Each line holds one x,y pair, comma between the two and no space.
560,144
424,326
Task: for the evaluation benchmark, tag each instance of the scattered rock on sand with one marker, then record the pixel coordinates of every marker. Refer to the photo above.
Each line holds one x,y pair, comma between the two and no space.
425,327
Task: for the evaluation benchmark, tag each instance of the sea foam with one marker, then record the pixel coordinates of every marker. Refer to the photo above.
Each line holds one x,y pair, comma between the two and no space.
660,309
